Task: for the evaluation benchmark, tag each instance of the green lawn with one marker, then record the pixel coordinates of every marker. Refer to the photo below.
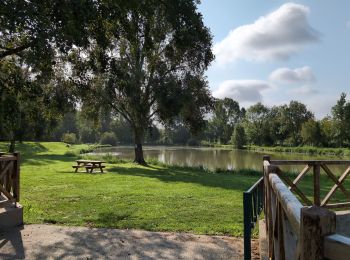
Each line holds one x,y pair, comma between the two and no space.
157,198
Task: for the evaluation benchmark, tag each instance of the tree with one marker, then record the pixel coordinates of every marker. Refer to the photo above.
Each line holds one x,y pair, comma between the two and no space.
341,118
37,30
292,118
256,124
311,132
226,114
151,67
238,138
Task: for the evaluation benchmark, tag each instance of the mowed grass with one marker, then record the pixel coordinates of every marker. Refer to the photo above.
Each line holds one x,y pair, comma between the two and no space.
156,198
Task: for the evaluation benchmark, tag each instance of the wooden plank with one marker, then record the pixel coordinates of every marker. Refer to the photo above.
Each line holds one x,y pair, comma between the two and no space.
289,202
4,170
337,205
335,187
309,162
294,188
338,184
6,193
301,174
317,188
7,158
336,247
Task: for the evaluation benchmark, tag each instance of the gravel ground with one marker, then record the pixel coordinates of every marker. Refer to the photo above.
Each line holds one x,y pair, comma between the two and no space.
58,242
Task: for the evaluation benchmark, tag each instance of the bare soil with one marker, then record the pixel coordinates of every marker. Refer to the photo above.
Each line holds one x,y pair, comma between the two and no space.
58,242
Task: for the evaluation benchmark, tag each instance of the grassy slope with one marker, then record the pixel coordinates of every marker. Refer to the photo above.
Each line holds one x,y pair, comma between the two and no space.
158,198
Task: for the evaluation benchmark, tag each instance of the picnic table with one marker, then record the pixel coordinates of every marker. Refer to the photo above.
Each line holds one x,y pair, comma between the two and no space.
89,165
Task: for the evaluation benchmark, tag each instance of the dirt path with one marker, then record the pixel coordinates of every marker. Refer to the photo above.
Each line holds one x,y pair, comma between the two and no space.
56,242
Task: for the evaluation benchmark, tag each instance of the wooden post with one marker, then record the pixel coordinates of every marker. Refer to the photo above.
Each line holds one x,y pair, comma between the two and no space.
317,199
16,174
316,223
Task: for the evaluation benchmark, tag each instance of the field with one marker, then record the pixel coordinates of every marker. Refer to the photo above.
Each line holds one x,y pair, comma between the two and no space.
156,198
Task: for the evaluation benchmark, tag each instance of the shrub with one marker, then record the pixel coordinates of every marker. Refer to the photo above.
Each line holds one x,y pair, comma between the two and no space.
108,138
69,138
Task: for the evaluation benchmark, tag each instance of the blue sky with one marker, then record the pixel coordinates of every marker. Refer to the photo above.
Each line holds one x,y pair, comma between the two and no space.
277,51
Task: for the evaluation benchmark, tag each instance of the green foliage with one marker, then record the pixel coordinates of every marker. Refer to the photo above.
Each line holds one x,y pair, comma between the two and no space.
238,138
311,133
108,138
69,138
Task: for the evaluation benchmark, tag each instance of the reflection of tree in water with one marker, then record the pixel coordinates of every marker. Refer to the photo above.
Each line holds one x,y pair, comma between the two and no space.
212,158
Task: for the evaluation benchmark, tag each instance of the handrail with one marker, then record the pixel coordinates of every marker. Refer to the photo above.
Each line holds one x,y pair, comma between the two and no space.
336,247
289,202
253,204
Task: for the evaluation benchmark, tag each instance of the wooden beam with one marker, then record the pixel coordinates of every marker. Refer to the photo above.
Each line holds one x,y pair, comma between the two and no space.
336,247
337,183
316,223
317,188
309,162
337,205
301,174
294,188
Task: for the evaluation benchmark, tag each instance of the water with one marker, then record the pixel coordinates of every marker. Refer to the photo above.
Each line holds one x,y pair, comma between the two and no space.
211,158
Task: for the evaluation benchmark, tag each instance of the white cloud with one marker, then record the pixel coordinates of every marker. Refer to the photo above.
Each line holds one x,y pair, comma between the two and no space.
304,90
275,36
289,76
242,90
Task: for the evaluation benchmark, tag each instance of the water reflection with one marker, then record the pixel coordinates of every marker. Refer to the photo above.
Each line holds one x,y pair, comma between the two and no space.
211,158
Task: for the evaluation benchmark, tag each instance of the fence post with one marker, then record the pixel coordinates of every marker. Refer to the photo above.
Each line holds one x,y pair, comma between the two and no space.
247,214
316,223
317,200
16,177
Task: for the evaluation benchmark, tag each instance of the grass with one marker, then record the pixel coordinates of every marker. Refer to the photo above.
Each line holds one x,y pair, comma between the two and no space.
302,150
156,198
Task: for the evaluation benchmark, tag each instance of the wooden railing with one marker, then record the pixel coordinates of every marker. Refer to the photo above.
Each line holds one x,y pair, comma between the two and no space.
9,179
296,231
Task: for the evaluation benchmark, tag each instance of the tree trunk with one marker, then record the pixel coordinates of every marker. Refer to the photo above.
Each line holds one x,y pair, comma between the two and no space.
138,148
12,146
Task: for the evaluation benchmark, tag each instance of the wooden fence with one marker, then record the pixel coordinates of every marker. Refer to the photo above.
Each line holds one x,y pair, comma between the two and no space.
303,231
9,179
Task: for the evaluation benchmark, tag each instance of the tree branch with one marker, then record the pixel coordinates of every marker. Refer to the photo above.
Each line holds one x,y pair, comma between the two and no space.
16,50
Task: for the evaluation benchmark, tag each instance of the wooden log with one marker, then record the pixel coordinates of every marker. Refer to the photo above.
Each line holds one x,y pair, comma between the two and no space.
289,202
317,188
316,224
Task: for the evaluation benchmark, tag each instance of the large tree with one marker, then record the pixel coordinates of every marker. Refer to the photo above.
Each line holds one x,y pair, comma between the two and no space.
152,66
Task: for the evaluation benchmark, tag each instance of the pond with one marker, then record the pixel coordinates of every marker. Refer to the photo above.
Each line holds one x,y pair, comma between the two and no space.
208,157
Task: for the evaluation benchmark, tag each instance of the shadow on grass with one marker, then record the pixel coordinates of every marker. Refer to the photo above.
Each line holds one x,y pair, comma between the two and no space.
226,180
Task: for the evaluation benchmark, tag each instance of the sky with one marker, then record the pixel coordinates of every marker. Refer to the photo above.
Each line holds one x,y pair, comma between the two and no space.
276,51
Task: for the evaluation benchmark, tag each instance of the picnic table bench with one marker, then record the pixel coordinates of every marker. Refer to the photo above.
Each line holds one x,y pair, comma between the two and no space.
89,165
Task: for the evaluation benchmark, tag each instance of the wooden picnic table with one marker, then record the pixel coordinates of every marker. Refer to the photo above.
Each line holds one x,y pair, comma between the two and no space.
89,165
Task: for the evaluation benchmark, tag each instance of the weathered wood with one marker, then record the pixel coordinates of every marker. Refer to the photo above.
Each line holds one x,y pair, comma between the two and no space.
317,188
337,205
301,174
316,224
289,202
294,188
337,247
336,186
309,162
6,158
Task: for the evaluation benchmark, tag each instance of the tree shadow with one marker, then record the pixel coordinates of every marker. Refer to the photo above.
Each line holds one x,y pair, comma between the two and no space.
11,244
225,180
85,243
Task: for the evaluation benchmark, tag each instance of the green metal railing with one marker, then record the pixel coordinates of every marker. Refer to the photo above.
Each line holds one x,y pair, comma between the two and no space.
253,204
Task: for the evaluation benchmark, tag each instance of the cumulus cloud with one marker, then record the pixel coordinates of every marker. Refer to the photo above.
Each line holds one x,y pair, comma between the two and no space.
275,36
290,76
304,90
242,90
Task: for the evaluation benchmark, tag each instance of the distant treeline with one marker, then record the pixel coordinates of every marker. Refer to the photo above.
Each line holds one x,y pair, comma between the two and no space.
285,125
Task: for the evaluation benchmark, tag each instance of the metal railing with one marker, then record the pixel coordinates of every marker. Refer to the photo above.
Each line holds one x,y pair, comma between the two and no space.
253,204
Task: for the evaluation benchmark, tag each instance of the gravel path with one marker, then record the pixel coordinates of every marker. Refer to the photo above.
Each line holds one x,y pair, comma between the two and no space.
57,242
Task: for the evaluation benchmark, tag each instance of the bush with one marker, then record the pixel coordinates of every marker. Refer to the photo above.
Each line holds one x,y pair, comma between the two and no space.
69,138
192,142
108,138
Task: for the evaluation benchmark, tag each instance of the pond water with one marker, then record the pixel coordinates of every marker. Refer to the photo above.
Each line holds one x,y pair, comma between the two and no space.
208,157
